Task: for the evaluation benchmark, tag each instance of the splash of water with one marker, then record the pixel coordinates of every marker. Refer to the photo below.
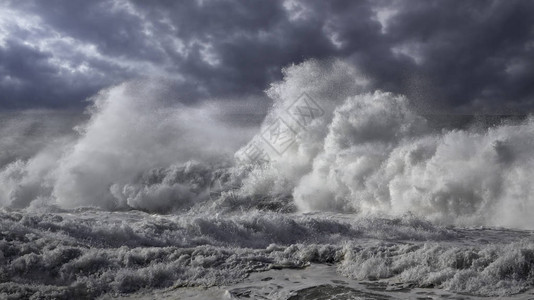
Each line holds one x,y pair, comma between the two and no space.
329,143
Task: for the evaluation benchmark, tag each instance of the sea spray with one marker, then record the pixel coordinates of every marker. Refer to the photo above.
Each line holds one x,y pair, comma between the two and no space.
364,152
148,193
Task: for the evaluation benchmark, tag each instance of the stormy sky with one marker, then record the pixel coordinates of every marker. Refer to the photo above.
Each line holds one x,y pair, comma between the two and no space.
469,56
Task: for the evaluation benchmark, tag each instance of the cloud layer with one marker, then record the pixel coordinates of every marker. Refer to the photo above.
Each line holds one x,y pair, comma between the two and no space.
474,56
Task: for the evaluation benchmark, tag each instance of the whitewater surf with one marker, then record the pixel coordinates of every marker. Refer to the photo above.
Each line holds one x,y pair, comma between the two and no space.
341,191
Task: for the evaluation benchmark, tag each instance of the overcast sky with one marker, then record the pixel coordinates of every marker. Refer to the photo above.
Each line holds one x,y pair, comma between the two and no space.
477,55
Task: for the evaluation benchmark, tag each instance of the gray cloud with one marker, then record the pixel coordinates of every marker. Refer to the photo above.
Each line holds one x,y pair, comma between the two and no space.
472,56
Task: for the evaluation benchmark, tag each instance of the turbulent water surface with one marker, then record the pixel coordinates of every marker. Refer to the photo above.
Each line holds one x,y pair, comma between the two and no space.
342,192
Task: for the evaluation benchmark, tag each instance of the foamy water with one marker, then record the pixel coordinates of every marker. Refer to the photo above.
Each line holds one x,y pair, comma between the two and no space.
87,252
150,194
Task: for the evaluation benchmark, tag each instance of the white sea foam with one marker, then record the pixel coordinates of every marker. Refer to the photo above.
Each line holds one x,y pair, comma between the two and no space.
84,253
148,193
366,152
371,152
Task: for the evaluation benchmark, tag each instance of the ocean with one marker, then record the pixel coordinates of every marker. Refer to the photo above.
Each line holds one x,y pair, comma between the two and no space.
341,191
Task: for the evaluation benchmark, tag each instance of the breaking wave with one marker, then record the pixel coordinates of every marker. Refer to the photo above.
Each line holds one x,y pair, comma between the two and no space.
85,253
148,193
352,151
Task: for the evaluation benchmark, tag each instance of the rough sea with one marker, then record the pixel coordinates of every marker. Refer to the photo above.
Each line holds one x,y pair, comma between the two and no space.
340,192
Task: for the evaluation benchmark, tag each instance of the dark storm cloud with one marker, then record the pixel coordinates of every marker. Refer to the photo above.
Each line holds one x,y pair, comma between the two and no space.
477,53
467,55
29,79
